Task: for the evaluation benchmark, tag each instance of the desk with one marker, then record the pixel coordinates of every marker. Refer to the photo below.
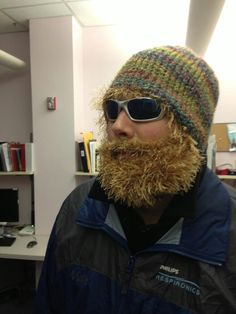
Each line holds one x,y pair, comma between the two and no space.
18,250
228,179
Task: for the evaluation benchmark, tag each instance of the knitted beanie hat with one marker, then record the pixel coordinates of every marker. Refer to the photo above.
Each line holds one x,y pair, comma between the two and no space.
183,80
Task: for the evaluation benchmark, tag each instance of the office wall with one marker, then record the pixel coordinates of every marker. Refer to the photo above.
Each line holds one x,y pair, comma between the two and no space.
51,49
15,91
221,55
102,58
16,113
226,110
78,78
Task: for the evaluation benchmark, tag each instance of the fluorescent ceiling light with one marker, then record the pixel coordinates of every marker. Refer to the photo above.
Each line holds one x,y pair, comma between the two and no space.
10,61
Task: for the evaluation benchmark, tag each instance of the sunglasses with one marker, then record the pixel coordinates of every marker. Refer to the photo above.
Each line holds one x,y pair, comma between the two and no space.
141,109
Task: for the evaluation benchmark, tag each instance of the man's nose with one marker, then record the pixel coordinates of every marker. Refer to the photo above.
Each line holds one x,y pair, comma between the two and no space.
123,126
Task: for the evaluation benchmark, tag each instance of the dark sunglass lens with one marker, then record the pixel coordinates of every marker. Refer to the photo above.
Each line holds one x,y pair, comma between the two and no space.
144,108
111,109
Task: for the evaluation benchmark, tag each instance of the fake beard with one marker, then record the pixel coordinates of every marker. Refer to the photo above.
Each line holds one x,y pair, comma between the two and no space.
138,173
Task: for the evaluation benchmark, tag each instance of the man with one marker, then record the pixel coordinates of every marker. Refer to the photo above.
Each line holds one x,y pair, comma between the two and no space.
155,231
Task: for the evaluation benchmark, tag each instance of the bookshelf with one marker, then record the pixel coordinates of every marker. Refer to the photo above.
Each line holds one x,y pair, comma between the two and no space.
227,177
16,173
17,162
82,173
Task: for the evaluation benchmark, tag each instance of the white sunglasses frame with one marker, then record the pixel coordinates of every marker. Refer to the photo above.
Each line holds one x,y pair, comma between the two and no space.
122,105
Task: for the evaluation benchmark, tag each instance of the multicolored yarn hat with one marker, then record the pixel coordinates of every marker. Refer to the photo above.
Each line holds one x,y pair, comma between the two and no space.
183,80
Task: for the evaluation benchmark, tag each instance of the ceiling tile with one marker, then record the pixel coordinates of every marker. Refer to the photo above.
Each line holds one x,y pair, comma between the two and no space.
41,11
17,3
88,14
8,25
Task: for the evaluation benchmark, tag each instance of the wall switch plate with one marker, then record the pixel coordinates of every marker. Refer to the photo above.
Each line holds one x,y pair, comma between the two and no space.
51,103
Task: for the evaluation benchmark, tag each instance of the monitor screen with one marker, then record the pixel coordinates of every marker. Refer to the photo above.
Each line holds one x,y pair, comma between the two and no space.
9,205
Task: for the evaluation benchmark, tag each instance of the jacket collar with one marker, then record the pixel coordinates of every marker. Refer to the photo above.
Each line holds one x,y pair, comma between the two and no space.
184,203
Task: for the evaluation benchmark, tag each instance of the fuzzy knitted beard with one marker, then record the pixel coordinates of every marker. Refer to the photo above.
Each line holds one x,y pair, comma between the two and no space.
137,173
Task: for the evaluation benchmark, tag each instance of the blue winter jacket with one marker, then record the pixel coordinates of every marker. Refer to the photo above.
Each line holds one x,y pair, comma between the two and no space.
89,269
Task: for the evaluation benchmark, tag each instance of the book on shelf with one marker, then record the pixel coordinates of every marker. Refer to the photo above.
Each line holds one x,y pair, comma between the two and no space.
94,156
88,154
82,164
78,160
1,160
29,157
87,136
97,160
6,158
17,156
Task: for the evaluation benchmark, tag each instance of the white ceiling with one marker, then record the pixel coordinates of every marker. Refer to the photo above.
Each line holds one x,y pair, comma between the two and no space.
15,14
202,19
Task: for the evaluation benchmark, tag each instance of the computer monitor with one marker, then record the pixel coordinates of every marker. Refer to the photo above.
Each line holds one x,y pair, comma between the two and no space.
9,207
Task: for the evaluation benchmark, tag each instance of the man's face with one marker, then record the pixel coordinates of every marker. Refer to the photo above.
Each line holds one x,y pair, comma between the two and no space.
142,161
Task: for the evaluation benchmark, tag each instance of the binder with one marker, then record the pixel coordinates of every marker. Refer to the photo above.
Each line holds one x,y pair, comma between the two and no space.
87,136
83,157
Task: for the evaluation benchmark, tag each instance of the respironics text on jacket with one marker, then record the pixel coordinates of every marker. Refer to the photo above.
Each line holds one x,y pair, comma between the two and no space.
89,269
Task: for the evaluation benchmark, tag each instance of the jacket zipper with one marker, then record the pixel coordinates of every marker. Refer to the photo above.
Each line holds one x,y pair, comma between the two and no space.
128,274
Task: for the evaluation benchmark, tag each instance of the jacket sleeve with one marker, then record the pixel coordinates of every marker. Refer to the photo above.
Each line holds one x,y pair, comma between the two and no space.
45,292
50,296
